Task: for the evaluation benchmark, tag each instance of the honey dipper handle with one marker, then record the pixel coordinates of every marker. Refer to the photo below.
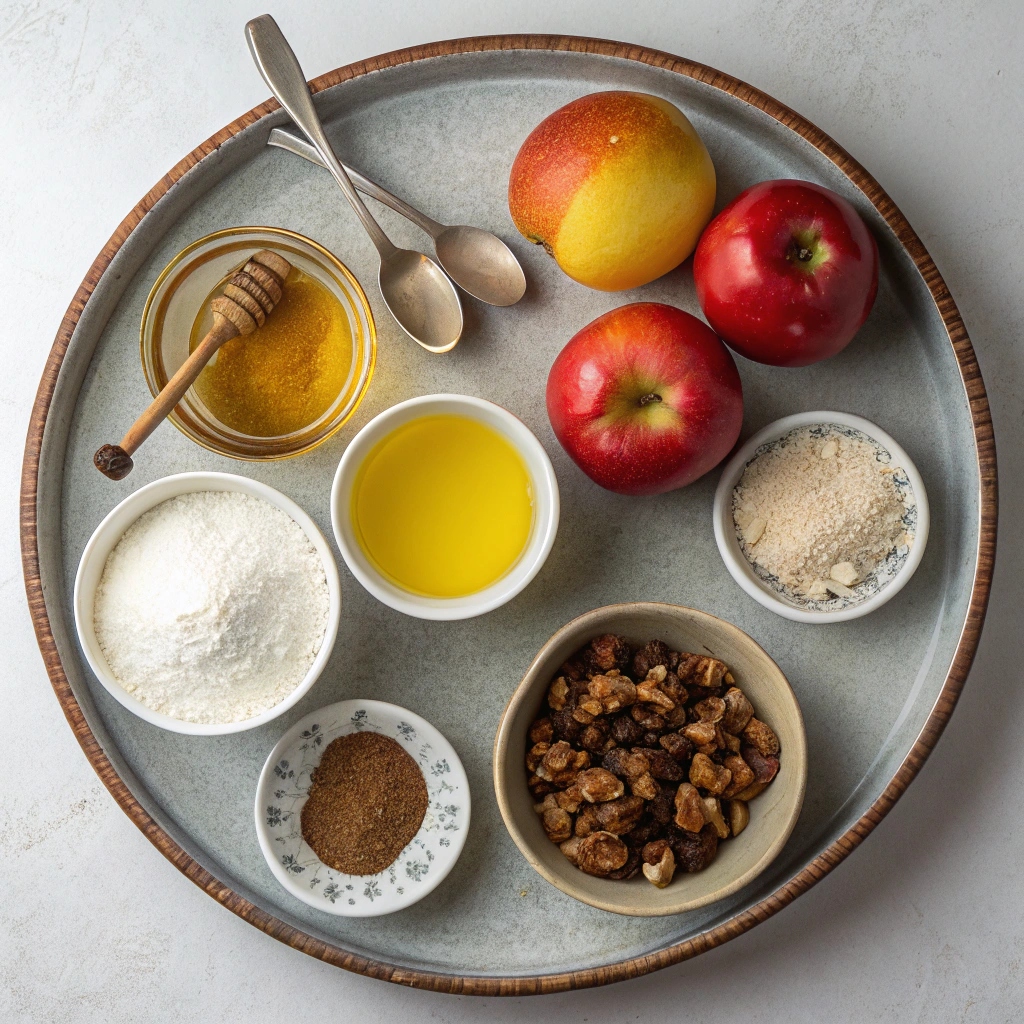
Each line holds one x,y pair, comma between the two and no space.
115,461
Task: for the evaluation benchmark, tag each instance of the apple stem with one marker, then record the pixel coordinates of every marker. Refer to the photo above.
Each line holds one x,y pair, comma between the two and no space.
647,399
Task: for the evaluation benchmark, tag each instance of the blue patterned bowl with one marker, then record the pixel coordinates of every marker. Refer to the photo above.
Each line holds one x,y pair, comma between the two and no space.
420,867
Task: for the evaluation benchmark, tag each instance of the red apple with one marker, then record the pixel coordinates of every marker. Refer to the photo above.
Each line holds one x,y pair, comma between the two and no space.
645,399
786,273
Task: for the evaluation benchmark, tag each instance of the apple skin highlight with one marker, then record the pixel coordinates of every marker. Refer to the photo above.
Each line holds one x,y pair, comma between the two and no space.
787,273
645,399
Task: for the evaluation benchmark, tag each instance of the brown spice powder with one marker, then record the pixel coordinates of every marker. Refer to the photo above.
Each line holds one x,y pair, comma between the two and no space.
367,800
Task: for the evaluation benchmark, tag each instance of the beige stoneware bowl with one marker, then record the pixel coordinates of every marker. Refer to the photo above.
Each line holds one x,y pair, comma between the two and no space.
773,814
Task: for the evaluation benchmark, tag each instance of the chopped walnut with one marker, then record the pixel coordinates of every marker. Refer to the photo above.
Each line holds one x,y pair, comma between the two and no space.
614,692
557,824
542,731
760,735
632,866
742,776
571,849
649,692
711,709
689,808
538,786
601,853
705,774
700,733
586,712
626,764
738,711
651,775
570,799
586,820
561,764
558,693
713,813
695,670
739,816
672,687
535,755
620,816
661,872
644,786
598,785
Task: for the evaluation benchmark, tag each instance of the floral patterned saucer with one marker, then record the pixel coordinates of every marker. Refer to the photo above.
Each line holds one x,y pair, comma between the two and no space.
420,867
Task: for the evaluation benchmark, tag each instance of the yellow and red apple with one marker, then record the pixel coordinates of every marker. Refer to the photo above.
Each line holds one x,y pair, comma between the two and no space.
617,186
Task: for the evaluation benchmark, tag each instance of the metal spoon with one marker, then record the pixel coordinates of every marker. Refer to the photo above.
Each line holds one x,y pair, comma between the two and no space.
415,289
477,261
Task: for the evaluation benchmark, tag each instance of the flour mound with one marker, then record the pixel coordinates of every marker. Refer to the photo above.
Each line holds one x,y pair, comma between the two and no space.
212,607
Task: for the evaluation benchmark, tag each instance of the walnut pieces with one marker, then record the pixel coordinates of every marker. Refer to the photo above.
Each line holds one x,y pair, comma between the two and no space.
601,853
644,759
598,785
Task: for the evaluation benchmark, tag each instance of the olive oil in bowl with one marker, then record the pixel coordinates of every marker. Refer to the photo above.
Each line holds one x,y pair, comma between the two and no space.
443,506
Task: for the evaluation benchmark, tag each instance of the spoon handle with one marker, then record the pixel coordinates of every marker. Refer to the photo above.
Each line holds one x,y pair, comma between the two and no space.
280,69
300,147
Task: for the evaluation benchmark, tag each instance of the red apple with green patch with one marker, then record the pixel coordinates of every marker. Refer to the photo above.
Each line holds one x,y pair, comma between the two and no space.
787,273
645,399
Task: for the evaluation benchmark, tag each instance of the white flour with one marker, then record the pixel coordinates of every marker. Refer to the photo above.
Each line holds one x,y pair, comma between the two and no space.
212,607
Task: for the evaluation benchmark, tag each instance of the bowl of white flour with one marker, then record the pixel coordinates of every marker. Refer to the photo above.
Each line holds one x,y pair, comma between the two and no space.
207,603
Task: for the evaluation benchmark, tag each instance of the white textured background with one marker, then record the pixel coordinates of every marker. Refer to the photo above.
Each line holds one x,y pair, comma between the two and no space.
99,98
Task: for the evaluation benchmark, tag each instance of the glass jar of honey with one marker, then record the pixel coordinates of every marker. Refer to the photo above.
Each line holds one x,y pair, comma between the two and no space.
292,383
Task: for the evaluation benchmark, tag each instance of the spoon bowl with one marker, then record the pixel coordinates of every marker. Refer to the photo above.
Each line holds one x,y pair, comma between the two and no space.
422,299
481,264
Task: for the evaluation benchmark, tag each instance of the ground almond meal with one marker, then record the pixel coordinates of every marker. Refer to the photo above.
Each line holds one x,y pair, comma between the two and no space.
819,512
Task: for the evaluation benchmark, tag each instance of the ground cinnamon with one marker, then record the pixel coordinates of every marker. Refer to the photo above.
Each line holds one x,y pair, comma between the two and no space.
367,801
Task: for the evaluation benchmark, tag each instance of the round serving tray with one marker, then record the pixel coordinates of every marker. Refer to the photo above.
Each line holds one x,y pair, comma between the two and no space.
440,124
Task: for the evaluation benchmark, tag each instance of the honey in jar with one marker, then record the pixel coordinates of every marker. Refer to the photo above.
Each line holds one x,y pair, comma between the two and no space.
287,373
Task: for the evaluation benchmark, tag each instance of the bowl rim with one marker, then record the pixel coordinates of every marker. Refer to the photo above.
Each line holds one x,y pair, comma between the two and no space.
344,273
736,562
458,842
113,527
592,623
534,555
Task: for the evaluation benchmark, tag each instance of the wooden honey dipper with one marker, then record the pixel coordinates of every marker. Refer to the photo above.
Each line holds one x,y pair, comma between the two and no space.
249,298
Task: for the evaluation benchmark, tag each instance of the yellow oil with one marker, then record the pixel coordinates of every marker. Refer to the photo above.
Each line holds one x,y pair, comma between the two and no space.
287,373
443,506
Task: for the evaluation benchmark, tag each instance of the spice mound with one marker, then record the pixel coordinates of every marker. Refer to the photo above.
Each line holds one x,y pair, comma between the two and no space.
367,801
820,510
212,607
648,774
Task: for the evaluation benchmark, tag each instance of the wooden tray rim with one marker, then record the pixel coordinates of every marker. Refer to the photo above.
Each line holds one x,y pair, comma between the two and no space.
817,868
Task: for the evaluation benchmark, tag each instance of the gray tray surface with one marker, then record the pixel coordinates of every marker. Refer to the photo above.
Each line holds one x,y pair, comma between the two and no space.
443,133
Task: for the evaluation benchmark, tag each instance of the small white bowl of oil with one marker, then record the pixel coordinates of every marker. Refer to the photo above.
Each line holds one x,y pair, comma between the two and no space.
445,506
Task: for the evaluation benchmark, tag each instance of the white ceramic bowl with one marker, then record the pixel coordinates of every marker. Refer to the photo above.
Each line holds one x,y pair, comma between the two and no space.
869,596
545,507
419,868
110,531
